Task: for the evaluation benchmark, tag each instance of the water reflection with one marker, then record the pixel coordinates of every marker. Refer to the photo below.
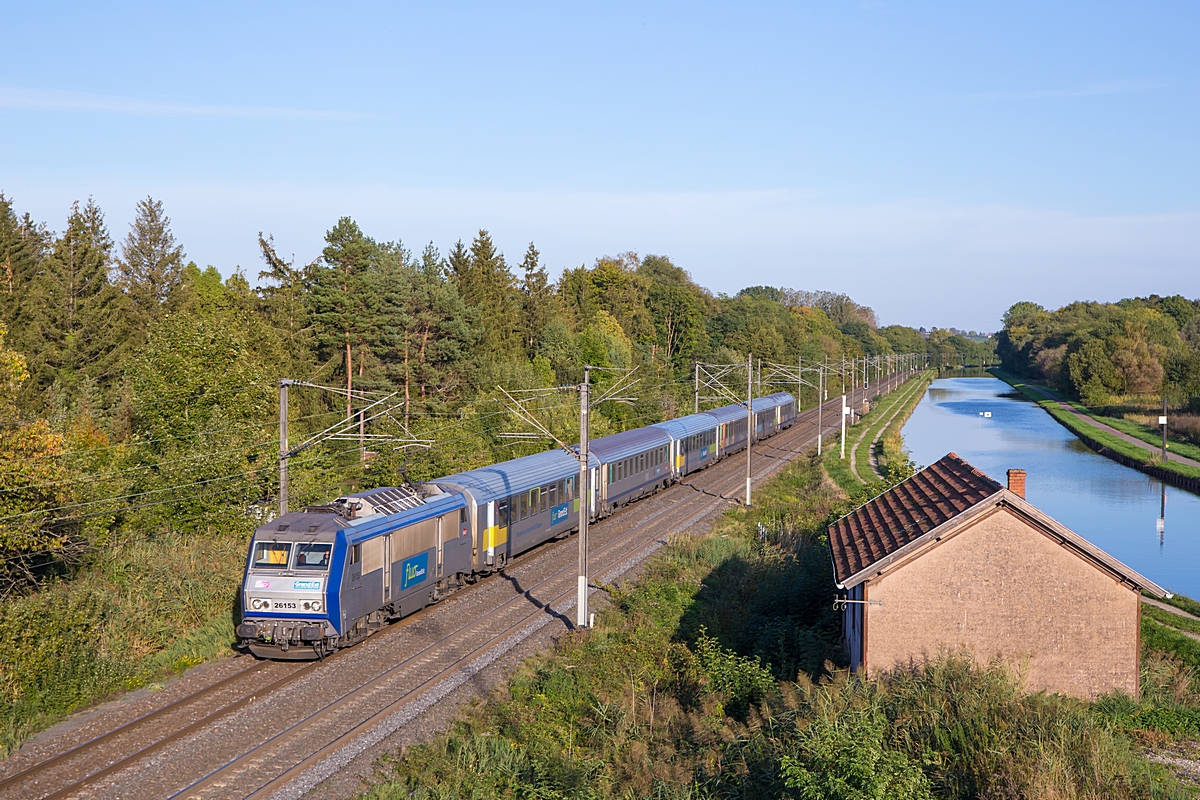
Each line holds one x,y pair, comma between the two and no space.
1115,507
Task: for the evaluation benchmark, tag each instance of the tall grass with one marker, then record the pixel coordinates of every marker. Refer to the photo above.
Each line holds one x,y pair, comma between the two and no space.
716,675
139,613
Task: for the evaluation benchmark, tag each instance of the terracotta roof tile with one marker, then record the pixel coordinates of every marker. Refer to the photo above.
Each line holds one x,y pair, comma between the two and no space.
905,512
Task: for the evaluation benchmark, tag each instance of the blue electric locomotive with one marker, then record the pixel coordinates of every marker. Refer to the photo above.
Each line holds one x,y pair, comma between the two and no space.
328,576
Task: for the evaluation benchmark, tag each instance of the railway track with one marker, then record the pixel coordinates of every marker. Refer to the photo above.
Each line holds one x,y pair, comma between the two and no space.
273,726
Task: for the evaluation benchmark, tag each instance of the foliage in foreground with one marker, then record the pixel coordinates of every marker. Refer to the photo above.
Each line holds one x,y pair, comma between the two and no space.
118,627
711,677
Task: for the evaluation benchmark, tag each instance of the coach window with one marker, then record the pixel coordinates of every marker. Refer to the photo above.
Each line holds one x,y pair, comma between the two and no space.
534,500
543,497
569,485
553,492
523,504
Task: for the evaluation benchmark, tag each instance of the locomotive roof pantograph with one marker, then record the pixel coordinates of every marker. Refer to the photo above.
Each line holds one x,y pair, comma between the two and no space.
436,506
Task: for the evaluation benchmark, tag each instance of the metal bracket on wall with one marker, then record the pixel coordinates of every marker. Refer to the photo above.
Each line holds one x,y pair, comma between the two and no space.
842,603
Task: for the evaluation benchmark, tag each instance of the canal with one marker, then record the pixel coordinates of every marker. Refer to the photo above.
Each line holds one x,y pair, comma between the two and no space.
1117,508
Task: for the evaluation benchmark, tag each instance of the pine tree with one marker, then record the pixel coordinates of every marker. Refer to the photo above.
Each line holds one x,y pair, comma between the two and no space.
339,300
24,245
151,265
432,263
84,330
537,300
283,299
487,286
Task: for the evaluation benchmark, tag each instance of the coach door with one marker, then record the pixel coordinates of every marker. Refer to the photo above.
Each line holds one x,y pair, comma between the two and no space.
387,569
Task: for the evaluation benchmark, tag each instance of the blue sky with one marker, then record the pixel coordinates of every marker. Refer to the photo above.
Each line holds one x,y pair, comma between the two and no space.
936,161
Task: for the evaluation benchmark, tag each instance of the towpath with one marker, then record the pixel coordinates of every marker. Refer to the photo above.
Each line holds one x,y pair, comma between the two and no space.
1125,437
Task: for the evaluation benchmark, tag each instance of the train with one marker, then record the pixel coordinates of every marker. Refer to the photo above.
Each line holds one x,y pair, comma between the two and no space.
329,576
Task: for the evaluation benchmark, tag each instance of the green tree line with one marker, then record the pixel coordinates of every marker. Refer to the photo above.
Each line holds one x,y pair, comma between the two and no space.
138,390
1103,352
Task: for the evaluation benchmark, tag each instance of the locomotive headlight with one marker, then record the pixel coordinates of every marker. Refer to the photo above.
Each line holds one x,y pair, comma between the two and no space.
256,604
316,605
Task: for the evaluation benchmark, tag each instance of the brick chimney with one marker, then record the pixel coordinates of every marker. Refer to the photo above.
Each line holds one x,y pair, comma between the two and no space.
1016,482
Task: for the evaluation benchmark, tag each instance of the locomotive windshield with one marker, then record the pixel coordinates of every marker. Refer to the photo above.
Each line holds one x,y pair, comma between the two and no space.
272,555
313,556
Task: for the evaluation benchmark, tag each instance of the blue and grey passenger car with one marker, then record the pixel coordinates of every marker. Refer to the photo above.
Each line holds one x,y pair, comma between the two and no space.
785,409
634,464
731,429
518,504
693,442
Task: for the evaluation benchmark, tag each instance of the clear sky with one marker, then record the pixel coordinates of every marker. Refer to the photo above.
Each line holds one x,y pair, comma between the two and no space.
935,161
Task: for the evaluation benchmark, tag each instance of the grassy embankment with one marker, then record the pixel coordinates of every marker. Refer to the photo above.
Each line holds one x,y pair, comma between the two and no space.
888,415
1149,433
138,614
715,675
1129,450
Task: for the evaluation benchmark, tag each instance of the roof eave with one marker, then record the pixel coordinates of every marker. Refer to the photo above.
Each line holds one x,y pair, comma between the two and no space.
1022,506
916,545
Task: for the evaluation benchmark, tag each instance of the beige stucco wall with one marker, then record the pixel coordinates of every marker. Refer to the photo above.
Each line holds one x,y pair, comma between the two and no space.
1002,587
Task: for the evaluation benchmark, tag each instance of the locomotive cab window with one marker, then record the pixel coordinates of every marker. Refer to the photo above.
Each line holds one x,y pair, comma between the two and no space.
355,553
313,555
272,555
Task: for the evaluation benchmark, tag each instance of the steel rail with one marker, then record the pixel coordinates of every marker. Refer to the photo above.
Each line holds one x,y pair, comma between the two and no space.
642,542
133,724
801,419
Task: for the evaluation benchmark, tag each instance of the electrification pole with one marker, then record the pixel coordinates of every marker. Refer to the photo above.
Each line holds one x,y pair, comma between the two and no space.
697,409
283,445
844,410
749,419
581,605
820,403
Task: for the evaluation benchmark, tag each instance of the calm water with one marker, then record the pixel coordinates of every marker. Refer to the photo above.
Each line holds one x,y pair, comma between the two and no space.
1114,507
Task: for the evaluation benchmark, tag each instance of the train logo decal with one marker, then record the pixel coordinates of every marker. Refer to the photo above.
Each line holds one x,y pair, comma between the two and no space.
704,452
307,585
413,570
559,513
261,584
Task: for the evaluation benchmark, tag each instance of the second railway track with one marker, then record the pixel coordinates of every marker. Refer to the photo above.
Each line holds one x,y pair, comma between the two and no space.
291,731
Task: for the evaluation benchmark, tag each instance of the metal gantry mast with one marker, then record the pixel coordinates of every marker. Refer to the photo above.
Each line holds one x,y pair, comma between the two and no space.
582,453
344,430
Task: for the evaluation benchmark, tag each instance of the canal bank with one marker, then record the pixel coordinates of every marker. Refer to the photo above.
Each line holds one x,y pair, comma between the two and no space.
1127,450
996,428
